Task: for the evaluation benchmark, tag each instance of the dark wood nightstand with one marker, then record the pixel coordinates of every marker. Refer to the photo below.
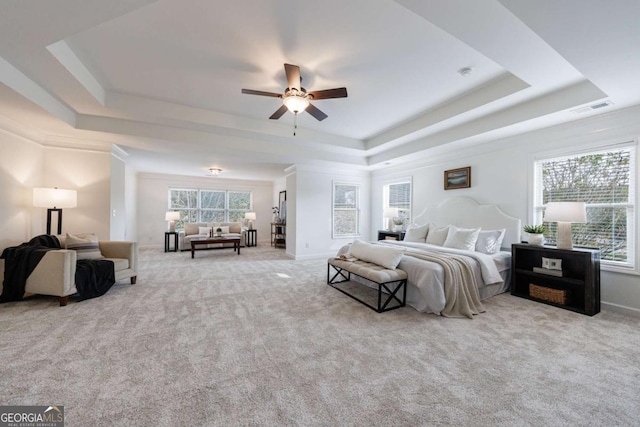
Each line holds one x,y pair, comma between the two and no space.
390,235
251,237
576,286
167,241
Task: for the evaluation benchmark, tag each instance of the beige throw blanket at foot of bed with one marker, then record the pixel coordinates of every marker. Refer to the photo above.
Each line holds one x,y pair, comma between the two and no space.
460,284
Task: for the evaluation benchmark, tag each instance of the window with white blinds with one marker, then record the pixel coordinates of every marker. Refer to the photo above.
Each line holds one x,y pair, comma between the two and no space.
346,210
605,181
398,195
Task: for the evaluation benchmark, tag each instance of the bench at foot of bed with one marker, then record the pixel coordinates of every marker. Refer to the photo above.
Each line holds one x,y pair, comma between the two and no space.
390,282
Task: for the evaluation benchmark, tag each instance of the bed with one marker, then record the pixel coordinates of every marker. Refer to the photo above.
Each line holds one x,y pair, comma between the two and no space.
428,288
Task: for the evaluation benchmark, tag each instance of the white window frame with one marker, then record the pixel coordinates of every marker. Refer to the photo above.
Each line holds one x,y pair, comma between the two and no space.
385,199
334,233
199,209
632,266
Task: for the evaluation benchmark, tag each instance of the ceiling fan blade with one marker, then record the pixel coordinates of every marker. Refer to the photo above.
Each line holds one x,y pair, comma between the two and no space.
293,75
261,93
279,112
315,112
339,92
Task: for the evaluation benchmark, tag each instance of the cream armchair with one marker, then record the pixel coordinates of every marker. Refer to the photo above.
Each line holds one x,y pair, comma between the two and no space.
55,273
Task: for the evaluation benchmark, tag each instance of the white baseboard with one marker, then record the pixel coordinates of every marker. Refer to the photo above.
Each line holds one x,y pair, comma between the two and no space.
620,309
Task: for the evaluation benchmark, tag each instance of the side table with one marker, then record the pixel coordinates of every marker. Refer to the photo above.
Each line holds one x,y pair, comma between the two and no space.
251,237
167,240
390,235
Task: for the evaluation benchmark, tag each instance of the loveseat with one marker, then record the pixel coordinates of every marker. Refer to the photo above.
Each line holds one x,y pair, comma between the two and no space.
55,273
198,230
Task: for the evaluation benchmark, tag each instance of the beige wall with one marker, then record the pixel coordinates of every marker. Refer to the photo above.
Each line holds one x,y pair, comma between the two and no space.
88,172
21,169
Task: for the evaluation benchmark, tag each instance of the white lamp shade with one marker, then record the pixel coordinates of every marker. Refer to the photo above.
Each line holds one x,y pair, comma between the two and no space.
250,215
54,198
565,212
172,216
391,212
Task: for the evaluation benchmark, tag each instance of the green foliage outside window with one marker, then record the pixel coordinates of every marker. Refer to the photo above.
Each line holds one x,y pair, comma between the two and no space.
603,182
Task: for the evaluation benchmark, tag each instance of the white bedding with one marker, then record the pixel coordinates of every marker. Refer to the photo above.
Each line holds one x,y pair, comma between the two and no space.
425,290
425,283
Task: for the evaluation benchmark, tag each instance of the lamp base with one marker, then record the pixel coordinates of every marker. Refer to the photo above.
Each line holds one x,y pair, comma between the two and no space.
250,224
564,236
172,226
59,212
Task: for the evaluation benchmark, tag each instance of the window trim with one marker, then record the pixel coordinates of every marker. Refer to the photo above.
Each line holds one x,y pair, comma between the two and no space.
334,235
385,197
633,265
199,209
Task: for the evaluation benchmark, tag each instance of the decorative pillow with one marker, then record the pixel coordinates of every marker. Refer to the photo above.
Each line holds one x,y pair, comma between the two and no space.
384,256
490,241
85,245
416,234
462,238
192,228
204,230
437,235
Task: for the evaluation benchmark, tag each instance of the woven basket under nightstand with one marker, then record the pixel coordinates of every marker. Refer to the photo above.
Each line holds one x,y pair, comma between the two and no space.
557,296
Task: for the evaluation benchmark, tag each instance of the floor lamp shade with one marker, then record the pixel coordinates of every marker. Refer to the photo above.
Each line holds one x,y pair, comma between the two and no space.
565,213
172,217
54,199
251,216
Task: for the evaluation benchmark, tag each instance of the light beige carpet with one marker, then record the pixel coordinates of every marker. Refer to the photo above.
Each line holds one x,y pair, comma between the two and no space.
259,339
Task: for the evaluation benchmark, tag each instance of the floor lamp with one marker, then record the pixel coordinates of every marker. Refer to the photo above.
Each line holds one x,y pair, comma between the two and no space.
565,213
54,199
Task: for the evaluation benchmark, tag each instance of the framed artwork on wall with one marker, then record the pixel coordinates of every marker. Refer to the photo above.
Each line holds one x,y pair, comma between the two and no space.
457,178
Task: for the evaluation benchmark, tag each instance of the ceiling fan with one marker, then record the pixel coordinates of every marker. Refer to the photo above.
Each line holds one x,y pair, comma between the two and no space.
296,99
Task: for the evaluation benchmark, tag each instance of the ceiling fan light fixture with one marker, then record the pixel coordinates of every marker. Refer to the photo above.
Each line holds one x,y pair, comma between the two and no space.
215,171
296,104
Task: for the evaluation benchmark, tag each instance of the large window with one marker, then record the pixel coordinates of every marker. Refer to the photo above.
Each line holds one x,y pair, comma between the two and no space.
197,205
346,210
604,180
398,195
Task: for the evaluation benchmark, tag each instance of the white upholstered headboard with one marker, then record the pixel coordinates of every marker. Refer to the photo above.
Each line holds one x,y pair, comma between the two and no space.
465,212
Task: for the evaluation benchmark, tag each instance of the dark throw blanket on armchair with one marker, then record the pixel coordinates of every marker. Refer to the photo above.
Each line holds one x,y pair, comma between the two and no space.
93,277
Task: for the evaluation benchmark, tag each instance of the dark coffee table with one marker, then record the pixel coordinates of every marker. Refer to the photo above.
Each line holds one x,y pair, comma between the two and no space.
211,240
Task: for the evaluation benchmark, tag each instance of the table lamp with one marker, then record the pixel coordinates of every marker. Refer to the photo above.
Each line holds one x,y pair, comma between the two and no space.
390,213
54,199
565,213
172,217
251,216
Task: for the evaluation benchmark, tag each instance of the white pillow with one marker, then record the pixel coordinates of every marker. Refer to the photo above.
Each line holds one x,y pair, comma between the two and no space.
437,235
416,234
382,255
490,241
86,245
204,230
462,238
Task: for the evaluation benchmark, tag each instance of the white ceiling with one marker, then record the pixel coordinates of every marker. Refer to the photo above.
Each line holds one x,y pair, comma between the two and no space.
162,79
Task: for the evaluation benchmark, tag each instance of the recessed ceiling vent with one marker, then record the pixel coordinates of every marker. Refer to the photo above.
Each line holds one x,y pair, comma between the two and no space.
593,107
